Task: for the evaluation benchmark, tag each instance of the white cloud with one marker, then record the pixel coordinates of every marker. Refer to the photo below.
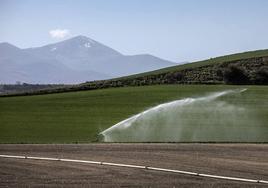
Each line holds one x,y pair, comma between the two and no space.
59,33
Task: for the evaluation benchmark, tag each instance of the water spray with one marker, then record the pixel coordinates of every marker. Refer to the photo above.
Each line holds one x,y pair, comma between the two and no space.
166,122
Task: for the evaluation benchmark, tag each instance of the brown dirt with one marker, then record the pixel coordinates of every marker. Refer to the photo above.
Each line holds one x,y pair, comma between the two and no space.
238,160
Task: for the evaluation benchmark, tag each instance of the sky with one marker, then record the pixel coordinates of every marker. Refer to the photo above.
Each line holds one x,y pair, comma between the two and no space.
176,30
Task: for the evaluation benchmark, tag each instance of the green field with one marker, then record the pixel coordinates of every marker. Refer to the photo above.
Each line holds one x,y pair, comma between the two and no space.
79,116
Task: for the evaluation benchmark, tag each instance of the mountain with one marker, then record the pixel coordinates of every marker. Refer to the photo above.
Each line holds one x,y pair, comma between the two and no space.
83,53
75,60
79,53
128,65
18,65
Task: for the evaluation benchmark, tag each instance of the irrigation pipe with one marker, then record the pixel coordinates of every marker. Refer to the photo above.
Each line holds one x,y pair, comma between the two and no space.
138,167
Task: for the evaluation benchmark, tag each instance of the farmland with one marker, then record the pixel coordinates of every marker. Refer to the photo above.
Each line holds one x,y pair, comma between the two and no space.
78,117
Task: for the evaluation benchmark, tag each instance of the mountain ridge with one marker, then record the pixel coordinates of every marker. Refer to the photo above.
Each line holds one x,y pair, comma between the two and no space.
80,54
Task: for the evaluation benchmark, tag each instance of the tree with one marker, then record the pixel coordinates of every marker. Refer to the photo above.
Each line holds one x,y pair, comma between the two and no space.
234,74
262,75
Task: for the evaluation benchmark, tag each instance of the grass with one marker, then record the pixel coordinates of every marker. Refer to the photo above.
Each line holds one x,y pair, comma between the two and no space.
79,116
221,59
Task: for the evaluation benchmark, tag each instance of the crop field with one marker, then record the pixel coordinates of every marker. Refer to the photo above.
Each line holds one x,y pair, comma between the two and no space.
78,117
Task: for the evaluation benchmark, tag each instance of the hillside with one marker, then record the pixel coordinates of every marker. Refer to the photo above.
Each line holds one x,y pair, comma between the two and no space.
251,65
212,61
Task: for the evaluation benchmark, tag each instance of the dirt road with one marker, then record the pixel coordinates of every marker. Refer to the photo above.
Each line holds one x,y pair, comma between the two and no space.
238,160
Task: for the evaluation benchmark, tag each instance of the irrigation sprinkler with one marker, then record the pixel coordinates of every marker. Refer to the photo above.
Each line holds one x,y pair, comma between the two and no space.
139,167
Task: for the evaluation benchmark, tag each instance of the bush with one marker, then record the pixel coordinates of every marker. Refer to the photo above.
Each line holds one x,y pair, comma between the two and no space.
219,72
173,77
234,74
262,75
178,76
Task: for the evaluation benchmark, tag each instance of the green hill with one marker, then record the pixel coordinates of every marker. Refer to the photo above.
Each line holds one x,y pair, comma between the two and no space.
212,61
249,68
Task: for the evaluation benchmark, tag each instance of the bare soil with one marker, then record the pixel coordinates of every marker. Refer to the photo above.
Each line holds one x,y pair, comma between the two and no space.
237,160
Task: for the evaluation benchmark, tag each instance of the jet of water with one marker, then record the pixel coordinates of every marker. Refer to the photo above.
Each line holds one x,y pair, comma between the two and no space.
179,120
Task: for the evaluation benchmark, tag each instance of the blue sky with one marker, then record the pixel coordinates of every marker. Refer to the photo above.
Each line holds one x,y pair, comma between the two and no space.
177,30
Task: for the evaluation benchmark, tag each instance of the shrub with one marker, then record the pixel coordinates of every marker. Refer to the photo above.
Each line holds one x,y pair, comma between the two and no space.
178,76
261,76
234,74
219,72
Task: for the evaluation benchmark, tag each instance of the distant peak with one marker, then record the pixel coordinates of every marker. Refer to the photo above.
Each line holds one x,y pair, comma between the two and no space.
82,41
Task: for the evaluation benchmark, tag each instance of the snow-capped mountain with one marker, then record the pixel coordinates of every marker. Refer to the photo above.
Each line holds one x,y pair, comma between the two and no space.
79,53
75,60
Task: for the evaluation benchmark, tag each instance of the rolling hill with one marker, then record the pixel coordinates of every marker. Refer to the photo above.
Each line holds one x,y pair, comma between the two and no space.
211,61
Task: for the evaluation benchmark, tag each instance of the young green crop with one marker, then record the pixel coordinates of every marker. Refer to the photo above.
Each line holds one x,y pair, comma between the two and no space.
80,116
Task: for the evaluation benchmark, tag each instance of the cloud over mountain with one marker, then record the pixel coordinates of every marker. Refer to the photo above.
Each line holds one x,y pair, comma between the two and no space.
59,33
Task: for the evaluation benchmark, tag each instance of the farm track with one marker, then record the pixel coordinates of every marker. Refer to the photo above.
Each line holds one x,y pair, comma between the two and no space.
237,160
